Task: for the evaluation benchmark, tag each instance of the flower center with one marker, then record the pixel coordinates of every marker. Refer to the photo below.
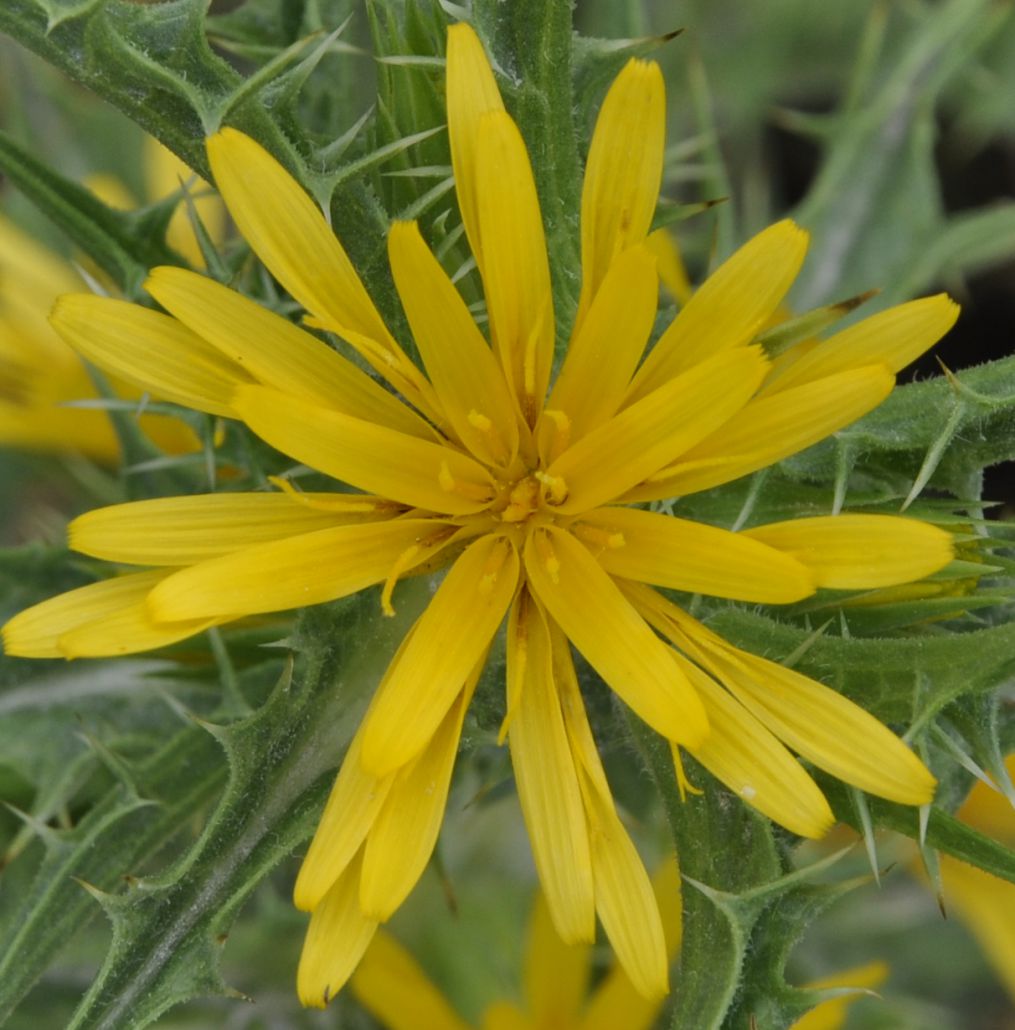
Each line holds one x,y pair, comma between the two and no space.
533,492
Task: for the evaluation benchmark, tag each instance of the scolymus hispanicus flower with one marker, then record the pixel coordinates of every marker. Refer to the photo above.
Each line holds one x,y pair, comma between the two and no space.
530,492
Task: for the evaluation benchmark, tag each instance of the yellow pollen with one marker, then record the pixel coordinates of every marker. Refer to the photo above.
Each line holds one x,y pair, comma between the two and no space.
480,422
599,537
549,557
556,488
522,501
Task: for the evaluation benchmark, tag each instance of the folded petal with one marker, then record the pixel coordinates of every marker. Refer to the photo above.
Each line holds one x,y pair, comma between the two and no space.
449,639
471,93
547,781
623,172
338,936
672,272
351,811
187,530
367,456
606,349
648,435
290,234
624,898
614,638
391,985
516,273
741,753
894,338
460,364
402,839
729,308
61,627
769,429
857,552
691,556
311,568
276,352
826,728
150,350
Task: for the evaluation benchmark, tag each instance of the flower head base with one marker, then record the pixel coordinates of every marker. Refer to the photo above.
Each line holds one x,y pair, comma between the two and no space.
528,491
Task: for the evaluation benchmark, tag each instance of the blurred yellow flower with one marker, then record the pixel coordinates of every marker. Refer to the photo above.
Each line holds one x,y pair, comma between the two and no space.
557,990
39,374
985,903
531,493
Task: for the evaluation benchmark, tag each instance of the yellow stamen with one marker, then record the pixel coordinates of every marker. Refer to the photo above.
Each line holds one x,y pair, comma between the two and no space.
494,564
556,488
337,502
448,483
599,537
402,563
561,432
684,785
481,422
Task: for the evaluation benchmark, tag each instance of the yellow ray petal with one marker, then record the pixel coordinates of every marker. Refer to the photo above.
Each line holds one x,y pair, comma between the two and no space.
129,630
769,429
729,308
672,272
351,811
186,530
624,899
449,638
294,572
894,338
292,238
556,974
391,985
516,274
646,436
741,753
691,556
36,632
150,350
290,234
856,552
471,93
367,456
606,349
402,839
623,173
826,728
338,936
614,638
275,352
548,783
462,367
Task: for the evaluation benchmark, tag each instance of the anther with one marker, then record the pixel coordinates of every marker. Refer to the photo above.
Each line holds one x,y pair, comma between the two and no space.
548,556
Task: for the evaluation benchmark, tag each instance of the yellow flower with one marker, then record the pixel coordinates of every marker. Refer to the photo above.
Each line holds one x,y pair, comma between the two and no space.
556,989
39,373
528,492
985,903
855,982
